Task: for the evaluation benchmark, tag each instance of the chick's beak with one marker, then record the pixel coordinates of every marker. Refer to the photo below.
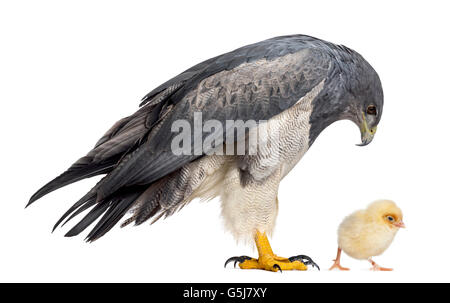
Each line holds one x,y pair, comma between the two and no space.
367,133
400,224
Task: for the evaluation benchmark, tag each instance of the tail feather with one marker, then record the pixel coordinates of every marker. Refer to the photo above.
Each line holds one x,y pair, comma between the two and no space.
109,154
86,206
123,137
115,212
84,203
155,200
111,210
83,168
93,215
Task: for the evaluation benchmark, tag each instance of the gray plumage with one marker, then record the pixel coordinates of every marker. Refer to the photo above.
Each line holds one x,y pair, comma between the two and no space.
299,84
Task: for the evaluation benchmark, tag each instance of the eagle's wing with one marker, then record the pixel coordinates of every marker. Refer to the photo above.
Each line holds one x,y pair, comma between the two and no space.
251,91
254,82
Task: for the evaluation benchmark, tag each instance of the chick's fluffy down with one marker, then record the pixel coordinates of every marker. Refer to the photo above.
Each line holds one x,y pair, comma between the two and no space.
364,234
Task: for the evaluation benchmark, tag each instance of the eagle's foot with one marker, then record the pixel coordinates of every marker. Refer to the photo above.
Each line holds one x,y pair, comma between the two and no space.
305,260
275,263
240,259
269,261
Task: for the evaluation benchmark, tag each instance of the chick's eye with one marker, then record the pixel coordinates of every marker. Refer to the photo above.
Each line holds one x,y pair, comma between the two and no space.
371,110
390,218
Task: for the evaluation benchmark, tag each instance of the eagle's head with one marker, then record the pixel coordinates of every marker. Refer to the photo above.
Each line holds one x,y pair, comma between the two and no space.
352,92
364,104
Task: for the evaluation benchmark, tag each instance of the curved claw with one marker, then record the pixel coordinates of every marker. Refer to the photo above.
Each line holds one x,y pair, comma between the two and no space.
236,260
305,260
277,267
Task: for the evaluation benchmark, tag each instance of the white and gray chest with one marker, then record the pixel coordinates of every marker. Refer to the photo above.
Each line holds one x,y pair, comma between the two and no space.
282,140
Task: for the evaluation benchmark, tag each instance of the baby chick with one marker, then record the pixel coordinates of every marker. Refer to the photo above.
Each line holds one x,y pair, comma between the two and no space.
369,232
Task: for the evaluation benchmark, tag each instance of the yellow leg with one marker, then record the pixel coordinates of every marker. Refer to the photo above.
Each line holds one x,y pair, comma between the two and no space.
267,260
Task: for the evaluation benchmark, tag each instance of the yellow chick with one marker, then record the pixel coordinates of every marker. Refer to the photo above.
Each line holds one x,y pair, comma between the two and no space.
369,232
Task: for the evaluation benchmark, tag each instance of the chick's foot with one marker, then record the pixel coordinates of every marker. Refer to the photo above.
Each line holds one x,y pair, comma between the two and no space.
337,261
338,266
376,267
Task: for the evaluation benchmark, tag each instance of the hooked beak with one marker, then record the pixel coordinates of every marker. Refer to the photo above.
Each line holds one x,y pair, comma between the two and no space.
400,224
367,133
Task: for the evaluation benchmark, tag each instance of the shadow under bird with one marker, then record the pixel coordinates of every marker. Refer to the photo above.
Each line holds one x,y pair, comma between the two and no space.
298,85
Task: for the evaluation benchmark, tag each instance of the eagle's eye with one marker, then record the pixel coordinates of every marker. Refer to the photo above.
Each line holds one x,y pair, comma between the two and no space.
371,110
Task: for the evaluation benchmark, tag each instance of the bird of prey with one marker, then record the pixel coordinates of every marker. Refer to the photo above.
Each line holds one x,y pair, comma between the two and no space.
294,85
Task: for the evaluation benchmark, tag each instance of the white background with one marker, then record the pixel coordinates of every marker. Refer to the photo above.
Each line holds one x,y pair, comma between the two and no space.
70,69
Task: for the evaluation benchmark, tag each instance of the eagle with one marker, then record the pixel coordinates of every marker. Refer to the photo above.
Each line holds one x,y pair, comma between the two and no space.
293,87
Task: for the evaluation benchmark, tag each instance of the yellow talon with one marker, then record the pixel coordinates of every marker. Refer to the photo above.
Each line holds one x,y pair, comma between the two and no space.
269,263
268,260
